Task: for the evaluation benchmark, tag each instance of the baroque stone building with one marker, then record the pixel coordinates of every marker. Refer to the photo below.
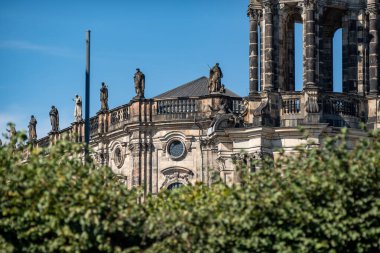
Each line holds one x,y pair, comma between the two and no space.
184,134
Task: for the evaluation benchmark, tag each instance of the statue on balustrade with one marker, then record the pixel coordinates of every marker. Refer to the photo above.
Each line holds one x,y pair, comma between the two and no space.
32,129
78,108
12,130
104,97
54,119
215,80
139,79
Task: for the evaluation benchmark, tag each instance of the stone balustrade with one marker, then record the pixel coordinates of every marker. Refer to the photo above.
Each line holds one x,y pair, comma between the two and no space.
237,105
177,106
94,126
119,114
340,104
43,142
292,109
291,106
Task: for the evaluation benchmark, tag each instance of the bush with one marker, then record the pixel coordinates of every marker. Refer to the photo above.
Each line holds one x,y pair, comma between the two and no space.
56,203
322,200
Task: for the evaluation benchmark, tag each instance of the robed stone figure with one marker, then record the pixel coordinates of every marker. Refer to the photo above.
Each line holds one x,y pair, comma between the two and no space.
32,129
215,80
54,119
103,97
139,79
78,108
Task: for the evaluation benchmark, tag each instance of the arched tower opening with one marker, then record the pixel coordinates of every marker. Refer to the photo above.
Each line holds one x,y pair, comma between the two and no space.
337,52
331,22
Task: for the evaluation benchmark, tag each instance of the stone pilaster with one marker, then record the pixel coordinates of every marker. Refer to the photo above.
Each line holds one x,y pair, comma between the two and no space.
136,170
362,52
349,51
282,47
254,19
268,47
149,174
373,48
309,43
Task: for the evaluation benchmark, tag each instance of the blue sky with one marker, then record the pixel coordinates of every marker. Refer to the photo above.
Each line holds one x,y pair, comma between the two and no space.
42,51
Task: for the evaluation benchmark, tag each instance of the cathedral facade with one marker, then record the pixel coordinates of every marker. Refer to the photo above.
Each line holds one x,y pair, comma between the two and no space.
184,135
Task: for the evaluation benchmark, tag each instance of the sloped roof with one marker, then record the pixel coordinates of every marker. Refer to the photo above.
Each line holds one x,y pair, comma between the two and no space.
196,88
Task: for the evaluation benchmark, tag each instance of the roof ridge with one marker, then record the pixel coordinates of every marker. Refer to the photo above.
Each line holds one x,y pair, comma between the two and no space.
181,86
195,88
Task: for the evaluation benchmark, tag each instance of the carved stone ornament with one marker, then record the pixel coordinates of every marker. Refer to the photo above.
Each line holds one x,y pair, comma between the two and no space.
254,14
176,175
268,6
239,157
118,156
309,4
312,102
257,155
221,163
135,149
372,9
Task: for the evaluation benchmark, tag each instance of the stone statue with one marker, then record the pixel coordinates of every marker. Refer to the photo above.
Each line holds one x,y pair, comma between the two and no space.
78,108
139,79
54,119
104,97
215,80
32,129
12,130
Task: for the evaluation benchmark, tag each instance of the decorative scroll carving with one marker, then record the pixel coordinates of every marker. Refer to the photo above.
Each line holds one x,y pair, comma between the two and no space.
177,174
221,163
259,111
223,117
312,102
102,157
135,149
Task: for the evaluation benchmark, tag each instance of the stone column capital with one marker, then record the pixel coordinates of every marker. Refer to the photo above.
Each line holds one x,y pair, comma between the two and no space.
309,4
254,14
371,9
268,6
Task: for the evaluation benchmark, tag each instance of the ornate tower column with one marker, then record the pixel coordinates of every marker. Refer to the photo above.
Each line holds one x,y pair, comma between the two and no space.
254,18
373,46
362,52
309,43
268,47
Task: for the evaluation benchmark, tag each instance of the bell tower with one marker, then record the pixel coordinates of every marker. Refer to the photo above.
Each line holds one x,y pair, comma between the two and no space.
272,63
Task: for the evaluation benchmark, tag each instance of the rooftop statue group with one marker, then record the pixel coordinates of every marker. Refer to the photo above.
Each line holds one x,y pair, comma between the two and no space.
214,85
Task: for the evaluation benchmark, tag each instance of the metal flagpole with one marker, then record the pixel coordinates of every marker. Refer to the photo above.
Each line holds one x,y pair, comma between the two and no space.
87,108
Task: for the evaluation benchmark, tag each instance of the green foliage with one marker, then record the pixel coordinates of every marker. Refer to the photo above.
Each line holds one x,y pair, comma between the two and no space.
320,200
56,203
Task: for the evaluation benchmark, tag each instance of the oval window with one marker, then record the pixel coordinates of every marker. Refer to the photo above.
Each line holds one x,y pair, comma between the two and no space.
176,149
